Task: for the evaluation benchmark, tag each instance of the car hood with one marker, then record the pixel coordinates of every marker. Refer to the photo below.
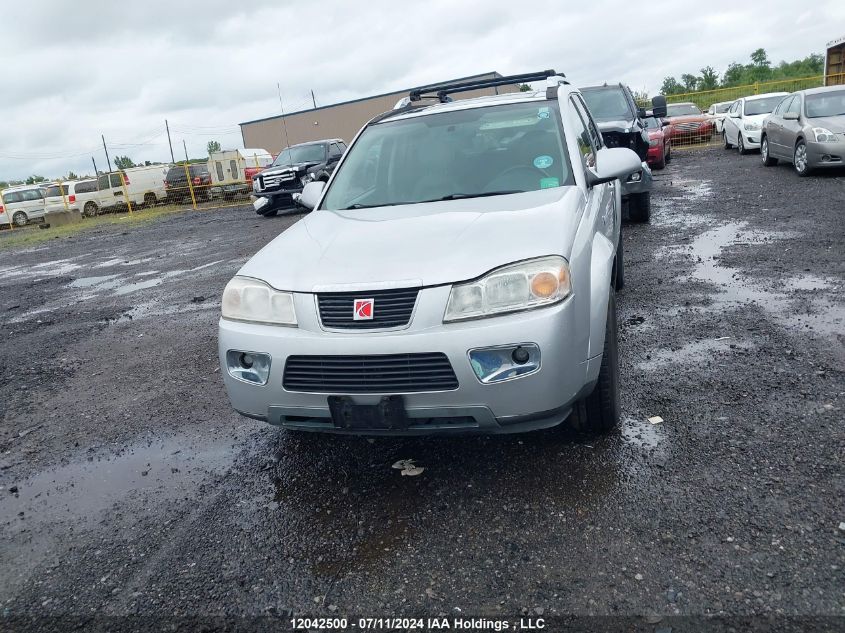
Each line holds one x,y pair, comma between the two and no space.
688,118
418,245
278,169
835,124
755,118
615,126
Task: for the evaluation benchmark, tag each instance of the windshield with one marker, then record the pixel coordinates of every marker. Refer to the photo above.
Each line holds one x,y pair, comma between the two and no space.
825,104
607,104
762,106
721,108
682,109
486,151
301,154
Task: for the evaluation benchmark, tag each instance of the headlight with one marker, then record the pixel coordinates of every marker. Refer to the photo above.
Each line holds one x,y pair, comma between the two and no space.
752,126
824,135
530,284
653,142
247,299
307,178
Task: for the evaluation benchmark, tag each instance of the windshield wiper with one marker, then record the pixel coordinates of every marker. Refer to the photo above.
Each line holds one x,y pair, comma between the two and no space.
485,194
370,206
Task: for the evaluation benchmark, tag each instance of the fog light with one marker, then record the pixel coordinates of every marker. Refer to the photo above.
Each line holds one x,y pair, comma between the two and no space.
635,177
496,364
250,367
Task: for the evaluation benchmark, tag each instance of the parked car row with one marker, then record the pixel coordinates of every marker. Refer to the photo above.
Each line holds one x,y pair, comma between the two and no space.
805,128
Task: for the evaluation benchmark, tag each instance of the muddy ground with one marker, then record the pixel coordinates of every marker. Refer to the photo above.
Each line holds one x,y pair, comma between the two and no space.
129,487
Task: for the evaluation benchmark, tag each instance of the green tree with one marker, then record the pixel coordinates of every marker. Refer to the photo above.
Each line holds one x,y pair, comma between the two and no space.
733,75
690,82
524,87
214,146
709,79
671,86
35,179
72,176
123,162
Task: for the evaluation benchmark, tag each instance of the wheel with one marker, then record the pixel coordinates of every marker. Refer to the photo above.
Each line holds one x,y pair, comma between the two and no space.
725,139
768,161
639,207
599,412
669,153
150,199
799,159
740,144
619,266
269,214
20,219
661,164
90,210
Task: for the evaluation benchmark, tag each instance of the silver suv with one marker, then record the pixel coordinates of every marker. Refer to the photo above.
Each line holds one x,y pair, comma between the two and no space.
456,275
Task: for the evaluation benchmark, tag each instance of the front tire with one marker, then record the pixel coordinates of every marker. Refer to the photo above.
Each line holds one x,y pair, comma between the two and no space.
669,153
768,161
599,412
740,145
150,199
619,266
639,207
725,140
799,159
20,219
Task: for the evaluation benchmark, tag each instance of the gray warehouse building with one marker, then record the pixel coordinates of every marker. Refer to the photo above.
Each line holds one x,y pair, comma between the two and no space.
340,120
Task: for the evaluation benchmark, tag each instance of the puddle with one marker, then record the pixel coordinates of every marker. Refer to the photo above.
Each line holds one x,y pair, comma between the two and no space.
681,195
734,291
702,351
87,282
167,468
123,262
641,433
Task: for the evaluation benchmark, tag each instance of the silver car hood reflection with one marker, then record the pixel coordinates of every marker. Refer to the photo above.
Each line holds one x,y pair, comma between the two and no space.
420,244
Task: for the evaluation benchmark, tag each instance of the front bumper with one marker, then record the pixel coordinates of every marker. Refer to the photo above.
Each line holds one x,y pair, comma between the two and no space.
751,138
538,400
280,199
655,154
826,154
645,183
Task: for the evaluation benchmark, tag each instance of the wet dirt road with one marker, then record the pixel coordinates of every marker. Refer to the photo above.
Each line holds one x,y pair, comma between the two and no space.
130,488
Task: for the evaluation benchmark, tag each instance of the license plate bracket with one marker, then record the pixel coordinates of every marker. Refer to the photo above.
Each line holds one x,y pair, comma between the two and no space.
388,414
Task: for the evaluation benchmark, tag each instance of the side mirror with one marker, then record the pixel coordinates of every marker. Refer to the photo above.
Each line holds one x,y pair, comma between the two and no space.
790,116
613,163
310,195
658,106
664,123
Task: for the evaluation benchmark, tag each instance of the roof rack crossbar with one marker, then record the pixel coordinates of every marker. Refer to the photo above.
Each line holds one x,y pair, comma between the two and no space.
443,91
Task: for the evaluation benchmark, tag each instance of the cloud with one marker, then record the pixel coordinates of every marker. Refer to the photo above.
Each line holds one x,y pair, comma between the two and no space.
74,71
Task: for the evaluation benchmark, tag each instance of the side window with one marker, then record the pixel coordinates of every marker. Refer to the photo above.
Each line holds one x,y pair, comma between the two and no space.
13,197
103,182
582,137
233,167
219,166
584,111
115,180
334,151
795,105
86,187
342,146
32,194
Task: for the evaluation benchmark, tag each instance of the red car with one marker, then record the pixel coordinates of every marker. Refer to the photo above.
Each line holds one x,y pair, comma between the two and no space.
689,123
659,142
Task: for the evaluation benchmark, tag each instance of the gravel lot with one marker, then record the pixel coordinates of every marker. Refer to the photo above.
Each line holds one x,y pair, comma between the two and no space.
129,488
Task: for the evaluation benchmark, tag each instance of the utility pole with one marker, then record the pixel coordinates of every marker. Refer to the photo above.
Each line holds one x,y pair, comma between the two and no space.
186,150
108,162
284,120
172,159
313,100
96,173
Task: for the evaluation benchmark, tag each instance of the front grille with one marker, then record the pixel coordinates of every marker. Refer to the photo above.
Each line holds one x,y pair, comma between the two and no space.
273,181
687,127
385,373
391,308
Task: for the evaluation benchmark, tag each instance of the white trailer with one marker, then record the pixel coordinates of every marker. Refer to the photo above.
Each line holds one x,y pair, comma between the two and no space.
232,170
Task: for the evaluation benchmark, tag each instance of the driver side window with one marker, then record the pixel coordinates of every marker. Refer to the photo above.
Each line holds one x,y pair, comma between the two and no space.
582,136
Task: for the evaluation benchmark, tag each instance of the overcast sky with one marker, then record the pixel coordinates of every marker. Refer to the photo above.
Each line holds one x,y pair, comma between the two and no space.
74,70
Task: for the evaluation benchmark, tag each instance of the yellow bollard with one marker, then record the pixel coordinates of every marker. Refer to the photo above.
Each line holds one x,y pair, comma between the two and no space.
190,186
64,197
125,191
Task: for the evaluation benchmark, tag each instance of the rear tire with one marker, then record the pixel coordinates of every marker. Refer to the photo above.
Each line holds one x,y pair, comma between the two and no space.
768,161
90,210
639,207
150,199
599,412
20,219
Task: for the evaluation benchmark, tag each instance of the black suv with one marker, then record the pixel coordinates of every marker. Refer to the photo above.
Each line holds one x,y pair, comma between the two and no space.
294,167
176,182
622,124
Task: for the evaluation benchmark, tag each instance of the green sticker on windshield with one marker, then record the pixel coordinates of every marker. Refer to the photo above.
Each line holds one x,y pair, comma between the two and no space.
548,183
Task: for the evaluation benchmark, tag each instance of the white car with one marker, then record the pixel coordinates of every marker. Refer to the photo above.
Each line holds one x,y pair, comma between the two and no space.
21,204
745,120
718,111
80,195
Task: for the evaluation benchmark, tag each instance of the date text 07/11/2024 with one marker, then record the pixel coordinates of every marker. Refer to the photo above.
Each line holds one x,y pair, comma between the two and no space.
420,624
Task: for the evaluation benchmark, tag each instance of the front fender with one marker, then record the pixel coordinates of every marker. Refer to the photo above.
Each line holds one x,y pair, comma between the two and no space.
601,268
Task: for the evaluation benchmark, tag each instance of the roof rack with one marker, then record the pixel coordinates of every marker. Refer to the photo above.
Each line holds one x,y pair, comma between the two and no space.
443,91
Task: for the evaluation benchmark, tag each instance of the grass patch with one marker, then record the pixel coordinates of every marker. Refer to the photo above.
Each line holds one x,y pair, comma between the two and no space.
31,235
